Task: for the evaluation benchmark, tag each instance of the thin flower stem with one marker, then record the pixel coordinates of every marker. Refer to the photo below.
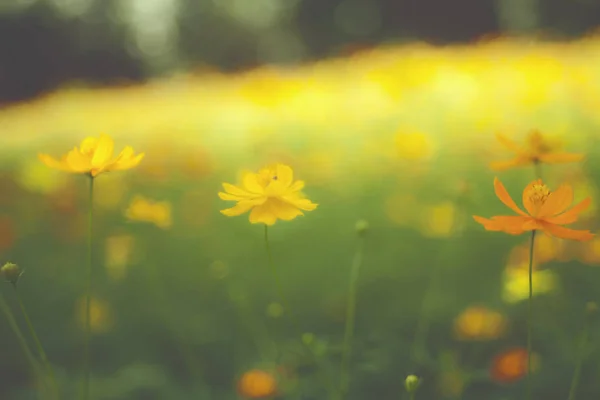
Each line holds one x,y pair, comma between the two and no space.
577,374
530,316
88,297
20,338
286,304
350,318
537,166
412,396
38,344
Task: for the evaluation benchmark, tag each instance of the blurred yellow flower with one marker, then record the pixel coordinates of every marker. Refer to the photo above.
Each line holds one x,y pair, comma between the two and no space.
271,194
146,210
119,249
413,146
94,156
35,177
516,284
537,149
439,220
101,319
479,323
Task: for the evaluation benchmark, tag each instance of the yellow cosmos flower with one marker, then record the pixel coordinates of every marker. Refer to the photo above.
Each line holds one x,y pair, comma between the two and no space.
94,156
271,194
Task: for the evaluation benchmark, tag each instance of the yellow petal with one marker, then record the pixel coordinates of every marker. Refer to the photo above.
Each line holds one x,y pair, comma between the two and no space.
104,152
242,207
296,186
78,162
251,183
53,163
124,163
283,210
88,145
235,191
284,174
263,214
303,204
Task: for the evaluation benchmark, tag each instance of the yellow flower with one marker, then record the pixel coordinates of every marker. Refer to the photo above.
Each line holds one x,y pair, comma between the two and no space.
94,156
271,194
146,210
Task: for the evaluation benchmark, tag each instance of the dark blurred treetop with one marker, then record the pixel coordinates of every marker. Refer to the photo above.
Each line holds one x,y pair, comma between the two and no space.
45,43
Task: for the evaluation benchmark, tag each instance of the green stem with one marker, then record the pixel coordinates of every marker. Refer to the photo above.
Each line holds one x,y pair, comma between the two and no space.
580,358
530,316
38,344
88,297
412,396
350,318
21,339
286,304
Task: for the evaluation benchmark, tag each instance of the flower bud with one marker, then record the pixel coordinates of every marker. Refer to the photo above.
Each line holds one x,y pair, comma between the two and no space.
362,227
412,383
11,273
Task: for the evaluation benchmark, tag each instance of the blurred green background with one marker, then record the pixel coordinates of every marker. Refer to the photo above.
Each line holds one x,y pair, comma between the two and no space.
386,108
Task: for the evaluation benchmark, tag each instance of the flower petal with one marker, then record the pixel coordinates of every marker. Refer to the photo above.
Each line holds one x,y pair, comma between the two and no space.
566,233
125,160
531,208
104,152
78,162
88,145
284,174
299,202
509,143
53,163
513,224
570,216
296,186
251,183
242,207
557,202
508,164
284,211
236,191
263,214
560,158
505,198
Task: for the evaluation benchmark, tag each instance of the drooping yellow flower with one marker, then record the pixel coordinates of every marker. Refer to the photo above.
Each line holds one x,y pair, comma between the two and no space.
271,194
94,156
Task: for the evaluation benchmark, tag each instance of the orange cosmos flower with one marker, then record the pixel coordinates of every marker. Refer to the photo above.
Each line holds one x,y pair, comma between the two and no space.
537,149
511,365
271,194
257,384
94,156
546,211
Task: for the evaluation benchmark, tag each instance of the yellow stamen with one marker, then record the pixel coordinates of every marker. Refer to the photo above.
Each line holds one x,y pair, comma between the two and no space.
538,194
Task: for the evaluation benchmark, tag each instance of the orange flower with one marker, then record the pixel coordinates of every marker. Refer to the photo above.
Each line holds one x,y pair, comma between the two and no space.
511,365
536,149
546,211
257,384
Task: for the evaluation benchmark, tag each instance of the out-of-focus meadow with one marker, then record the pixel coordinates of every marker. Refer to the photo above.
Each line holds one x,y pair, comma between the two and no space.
398,136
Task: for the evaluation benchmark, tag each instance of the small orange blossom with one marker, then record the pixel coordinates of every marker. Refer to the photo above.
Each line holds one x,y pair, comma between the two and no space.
271,194
257,384
546,211
94,156
537,149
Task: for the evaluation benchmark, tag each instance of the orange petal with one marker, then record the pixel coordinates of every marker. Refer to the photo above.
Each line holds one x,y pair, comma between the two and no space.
508,164
531,208
560,158
505,198
508,143
566,233
513,225
557,202
571,215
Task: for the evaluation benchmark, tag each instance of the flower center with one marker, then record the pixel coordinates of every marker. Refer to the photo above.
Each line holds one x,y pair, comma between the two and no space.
538,194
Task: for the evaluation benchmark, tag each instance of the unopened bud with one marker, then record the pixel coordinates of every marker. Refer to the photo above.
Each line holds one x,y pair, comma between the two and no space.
362,227
11,273
412,383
